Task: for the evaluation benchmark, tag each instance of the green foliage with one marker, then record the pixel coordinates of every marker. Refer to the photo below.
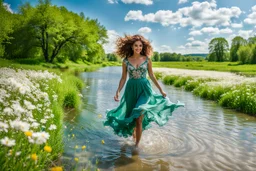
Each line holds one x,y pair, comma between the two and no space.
112,57
236,43
217,48
47,30
156,57
244,54
6,27
241,98
181,81
169,80
253,56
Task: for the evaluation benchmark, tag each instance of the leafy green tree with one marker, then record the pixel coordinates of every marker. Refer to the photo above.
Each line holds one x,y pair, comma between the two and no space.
244,54
218,47
236,43
53,28
156,57
6,27
253,57
252,40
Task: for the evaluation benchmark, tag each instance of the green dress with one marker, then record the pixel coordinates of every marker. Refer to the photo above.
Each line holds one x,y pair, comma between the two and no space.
139,99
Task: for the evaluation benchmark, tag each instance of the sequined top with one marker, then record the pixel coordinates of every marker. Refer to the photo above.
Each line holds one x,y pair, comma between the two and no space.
137,73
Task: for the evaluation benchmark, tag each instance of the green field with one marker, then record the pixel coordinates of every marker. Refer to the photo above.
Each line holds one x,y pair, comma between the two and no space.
248,70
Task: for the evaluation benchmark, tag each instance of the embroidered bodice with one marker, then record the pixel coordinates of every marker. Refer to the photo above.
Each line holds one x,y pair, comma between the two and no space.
137,73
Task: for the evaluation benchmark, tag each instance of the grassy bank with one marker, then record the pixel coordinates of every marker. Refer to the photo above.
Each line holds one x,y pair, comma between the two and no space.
229,90
32,99
234,67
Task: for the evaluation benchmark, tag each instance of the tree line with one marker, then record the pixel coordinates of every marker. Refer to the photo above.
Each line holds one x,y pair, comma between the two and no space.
51,32
241,50
166,56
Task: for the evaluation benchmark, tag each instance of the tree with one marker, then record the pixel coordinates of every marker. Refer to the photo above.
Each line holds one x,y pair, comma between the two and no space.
218,47
252,40
6,27
244,54
236,43
156,57
51,28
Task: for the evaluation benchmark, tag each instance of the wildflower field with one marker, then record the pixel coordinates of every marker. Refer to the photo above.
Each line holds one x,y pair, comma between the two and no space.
228,89
31,116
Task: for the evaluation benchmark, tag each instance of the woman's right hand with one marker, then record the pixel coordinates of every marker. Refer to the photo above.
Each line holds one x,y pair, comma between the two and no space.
116,97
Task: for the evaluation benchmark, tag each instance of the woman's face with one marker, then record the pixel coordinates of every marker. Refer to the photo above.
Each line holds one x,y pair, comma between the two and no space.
137,47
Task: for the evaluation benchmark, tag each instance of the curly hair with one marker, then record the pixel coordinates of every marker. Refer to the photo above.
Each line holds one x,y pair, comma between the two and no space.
124,46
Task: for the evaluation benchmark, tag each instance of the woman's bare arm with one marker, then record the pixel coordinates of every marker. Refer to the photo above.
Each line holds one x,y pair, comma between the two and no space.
153,78
122,81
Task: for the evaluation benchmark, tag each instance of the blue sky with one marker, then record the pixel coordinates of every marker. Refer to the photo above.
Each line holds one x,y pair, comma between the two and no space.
181,26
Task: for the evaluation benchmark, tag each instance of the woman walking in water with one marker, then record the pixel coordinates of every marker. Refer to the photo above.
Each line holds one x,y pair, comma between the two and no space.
139,105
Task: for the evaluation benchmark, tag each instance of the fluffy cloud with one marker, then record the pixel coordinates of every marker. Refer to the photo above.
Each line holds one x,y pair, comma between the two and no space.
112,1
144,30
163,48
200,13
191,39
251,18
8,7
246,33
182,1
112,37
237,25
145,2
210,30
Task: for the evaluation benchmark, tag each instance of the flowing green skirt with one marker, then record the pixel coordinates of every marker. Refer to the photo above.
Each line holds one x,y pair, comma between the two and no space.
139,99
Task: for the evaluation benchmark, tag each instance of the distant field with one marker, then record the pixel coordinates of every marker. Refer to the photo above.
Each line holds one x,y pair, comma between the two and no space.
214,66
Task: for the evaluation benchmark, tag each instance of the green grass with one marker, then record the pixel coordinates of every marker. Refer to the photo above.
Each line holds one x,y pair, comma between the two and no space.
247,70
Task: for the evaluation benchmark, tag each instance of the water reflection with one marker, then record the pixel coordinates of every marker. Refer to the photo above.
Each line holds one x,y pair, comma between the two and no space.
200,136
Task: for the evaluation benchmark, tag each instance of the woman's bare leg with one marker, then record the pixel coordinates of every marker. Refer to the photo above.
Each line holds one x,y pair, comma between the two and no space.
138,129
134,134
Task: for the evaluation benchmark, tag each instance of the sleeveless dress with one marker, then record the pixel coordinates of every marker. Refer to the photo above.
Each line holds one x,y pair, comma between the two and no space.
139,99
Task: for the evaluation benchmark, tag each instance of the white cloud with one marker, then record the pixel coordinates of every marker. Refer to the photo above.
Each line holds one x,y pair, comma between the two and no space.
181,47
204,13
163,48
246,33
210,30
251,18
191,39
112,1
144,30
112,37
8,7
145,2
195,33
182,1
237,25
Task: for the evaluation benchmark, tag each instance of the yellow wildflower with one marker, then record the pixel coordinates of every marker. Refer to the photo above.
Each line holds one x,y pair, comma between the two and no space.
83,147
57,168
28,133
47,148
102,141
76,159
34,156
76,146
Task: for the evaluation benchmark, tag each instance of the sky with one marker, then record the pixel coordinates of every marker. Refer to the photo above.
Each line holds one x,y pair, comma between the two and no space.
181,26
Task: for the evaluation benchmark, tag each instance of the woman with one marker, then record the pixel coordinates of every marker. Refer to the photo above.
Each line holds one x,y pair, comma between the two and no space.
139,105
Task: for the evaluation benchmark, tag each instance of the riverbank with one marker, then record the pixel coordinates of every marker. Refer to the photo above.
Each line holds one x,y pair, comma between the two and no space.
227,89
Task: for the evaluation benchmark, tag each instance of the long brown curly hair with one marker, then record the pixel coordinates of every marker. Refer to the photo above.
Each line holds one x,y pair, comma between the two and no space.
124,46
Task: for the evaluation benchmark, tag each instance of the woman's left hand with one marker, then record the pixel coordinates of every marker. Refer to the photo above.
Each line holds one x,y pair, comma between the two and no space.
163,93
